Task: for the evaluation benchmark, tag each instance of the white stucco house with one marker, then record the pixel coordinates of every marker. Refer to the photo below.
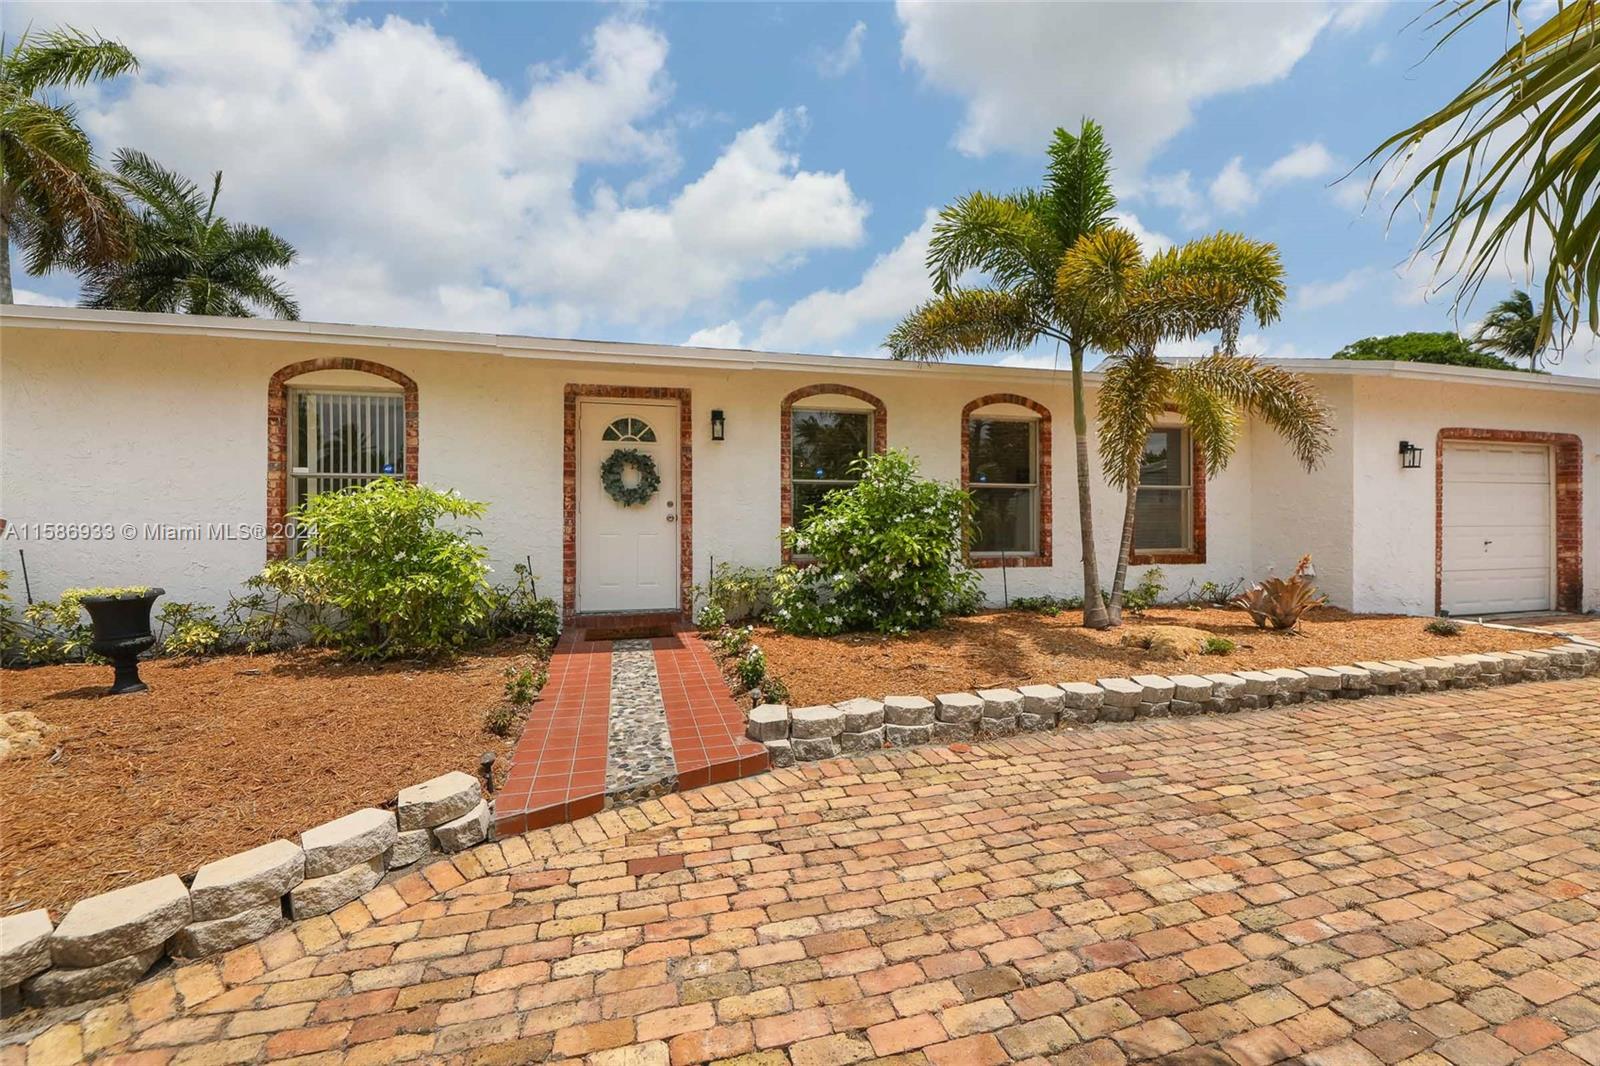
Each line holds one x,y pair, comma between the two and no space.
166,450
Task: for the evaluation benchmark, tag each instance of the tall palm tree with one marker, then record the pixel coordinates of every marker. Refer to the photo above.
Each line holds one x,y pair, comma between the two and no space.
1511,166
186,257
1206,285
55,201
1511,331
1018,242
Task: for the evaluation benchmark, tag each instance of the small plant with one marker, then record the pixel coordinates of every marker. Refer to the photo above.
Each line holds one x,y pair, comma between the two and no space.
1143,596
517,608
1047,605
523,684
732,642
773,690
49,632
751,667
1215,645
1278,603
739,592
189,629
712,617
500,720
1444,627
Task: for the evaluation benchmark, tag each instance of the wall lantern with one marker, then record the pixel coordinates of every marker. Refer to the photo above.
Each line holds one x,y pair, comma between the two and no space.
1410,456
719,425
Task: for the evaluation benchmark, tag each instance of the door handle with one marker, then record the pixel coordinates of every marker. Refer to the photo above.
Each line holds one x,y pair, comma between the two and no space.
672,518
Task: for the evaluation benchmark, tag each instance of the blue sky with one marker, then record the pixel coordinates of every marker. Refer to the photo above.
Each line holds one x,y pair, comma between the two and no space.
762,175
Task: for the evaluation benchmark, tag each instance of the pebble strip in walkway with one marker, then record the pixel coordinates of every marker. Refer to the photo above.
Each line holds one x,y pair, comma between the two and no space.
639,761
1408,880
619,721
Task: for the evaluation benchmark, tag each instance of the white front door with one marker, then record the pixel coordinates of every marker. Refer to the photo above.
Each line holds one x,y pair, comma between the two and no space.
1498,551
627,554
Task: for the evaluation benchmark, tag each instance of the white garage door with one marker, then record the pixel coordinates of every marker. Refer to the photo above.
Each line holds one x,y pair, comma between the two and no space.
1499,549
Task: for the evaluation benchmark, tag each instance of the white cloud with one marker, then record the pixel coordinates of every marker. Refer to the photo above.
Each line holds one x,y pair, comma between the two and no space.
421,191
1141,69
1233,190
895,282
1315,294
1176,191
38,299
1305,162
727,335
840,60
1150,240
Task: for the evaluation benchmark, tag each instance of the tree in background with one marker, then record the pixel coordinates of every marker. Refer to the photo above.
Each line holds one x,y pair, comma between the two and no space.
1511,166
1018,241
1511,331
186,257
55,201
1444,348
1204,286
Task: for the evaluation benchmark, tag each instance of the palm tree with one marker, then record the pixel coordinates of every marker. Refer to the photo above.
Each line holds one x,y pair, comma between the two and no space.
186,257
55,201
1511,331
1512,164
1018,241
1206,285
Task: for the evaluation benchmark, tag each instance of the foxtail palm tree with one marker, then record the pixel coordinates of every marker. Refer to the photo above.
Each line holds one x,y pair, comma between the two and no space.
1511,331
1511,165
1017,241
187,258
55,201
1206,285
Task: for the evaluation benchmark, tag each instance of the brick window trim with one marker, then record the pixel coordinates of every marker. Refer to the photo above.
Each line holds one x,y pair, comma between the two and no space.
880,440
1567,449
1197,553
1045,556
569,486
278,435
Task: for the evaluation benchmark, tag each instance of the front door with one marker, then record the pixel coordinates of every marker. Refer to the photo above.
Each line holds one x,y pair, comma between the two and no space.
628,555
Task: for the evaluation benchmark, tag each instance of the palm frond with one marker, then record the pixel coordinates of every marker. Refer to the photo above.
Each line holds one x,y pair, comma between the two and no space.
1512,163
1284,400
1078,182
1133,394
65,57
1002,236
966,321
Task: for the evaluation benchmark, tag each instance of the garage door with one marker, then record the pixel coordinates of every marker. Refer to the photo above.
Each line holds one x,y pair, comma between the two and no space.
1499,550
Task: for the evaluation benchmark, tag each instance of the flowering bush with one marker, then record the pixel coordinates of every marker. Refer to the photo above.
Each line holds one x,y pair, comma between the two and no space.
886,555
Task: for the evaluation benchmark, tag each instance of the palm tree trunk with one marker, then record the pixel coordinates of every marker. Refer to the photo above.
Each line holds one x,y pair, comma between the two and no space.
1119,580
1094,607
5,259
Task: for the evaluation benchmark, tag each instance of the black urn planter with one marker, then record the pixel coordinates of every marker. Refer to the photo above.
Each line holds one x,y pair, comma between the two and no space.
121,632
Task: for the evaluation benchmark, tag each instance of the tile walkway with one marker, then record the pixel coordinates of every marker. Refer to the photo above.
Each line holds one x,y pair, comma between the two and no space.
621,721
1408,880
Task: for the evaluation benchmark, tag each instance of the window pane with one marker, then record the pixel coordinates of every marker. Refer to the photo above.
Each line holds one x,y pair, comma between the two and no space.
825,443
1164,460
1004,519
1161,519
808,497
1000,452
352,433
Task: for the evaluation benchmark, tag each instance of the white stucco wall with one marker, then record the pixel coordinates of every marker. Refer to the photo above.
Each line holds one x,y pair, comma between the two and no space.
169,427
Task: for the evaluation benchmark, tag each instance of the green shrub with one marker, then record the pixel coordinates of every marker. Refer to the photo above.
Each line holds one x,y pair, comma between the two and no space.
189,629
734,641
774,690
1215,645
1143,596
738,592
381,577
523,684
886,555
500,720
1444,627
517,609
48,632
1047,605
712,617
751,667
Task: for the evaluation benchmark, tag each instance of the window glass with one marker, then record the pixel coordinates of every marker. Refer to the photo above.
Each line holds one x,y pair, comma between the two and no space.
1162,517
1005,520
629,429
345,439
1000,452
1164,462
825,443
1002,458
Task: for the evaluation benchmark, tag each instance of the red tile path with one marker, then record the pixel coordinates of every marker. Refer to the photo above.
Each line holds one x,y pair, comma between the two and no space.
558,768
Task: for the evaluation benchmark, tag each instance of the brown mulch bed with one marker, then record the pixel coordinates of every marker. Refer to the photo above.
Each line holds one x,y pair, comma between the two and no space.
221,755
1009,648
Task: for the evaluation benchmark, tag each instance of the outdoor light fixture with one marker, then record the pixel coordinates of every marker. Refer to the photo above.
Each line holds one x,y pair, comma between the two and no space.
1410,456
719,425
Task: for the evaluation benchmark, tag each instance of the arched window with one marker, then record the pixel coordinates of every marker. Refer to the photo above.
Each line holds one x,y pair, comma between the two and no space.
825,428
1005,465
334,424
629,429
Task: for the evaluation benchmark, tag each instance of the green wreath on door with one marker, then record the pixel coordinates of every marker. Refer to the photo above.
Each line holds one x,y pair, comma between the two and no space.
611,477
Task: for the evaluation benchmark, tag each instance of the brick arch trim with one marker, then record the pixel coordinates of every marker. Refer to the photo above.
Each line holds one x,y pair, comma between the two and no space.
880,439
1567,449
278,434
1045,555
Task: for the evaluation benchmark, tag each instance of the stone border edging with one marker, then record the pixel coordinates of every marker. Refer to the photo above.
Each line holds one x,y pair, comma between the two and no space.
106,943
859,726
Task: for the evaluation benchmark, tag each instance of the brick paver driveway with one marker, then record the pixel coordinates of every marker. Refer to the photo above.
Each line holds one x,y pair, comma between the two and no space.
1412,878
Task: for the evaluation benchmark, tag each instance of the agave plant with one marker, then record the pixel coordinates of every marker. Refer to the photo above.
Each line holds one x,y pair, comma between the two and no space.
1278,602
